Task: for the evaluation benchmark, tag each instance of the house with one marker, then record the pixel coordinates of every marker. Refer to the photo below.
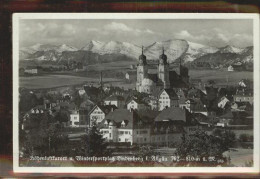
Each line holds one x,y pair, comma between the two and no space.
171,124
225,120
130,75
230,68
241,106
196,106
78,118
245,83
181,93
136,104
74,118
120,125
245,97
195,93
167,98
32,70
40,109
87,105
116,100
223,102
152,102
236,67
81,92
98,113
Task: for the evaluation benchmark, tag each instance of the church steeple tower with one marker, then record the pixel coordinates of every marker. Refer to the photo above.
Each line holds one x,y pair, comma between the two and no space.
163,70
142,69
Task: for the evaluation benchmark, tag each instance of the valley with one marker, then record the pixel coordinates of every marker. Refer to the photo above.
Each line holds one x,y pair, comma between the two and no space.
53,80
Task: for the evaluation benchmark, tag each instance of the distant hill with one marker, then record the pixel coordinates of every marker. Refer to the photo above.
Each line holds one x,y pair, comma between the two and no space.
95,52
226,56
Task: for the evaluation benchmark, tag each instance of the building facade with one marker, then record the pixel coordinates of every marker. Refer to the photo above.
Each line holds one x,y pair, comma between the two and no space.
98,113
167,98
163,79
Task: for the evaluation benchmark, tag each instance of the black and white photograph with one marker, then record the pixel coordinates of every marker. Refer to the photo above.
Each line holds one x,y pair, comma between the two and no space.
136,92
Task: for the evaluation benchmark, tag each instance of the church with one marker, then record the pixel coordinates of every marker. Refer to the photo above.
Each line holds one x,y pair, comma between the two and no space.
164,78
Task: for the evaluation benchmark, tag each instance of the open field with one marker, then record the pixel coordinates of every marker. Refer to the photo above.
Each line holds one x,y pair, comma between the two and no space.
110,76
221,76
51,81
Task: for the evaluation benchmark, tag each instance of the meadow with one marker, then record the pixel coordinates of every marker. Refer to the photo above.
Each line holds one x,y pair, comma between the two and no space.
114,74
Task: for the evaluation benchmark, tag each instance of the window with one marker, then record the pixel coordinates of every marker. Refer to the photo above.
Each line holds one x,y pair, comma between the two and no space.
110,135
119,139
145,139
121,132
126,132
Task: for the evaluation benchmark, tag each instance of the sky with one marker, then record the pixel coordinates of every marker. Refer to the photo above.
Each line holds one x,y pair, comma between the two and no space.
78,32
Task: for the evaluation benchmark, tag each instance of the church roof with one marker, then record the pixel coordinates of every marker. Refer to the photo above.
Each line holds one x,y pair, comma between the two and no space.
170,92
172,114
142,58
105,108
163,58
115,98
129,118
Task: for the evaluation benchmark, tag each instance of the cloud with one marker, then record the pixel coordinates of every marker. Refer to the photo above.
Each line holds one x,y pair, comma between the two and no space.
92,29
183,34
122,28
117,26
222,37
48,30
216,37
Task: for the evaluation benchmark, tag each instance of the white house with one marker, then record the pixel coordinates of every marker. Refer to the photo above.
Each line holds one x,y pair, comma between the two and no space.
116,100
98,113
31,70
119,126
167,98
222,102
230,68
74,118
136,104
81,92
127,76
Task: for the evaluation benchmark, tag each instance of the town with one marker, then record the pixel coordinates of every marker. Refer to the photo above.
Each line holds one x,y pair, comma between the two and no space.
166,109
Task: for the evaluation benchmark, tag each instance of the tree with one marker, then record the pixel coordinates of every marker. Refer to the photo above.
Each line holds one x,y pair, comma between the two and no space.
43,139
77,99
201,149
62,116
211,82
93,144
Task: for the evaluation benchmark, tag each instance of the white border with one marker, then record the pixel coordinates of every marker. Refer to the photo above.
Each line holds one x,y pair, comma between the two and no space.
18,16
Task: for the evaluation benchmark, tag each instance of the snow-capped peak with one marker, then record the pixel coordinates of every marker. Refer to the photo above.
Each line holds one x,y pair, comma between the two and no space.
231,49
65,47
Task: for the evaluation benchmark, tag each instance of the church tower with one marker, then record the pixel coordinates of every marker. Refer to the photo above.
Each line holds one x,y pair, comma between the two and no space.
163,70
142,70
184,72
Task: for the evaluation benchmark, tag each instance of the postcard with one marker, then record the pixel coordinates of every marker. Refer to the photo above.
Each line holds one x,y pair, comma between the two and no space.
135,93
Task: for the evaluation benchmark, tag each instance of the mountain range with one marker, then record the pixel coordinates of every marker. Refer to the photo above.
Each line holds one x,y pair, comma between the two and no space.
95,52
